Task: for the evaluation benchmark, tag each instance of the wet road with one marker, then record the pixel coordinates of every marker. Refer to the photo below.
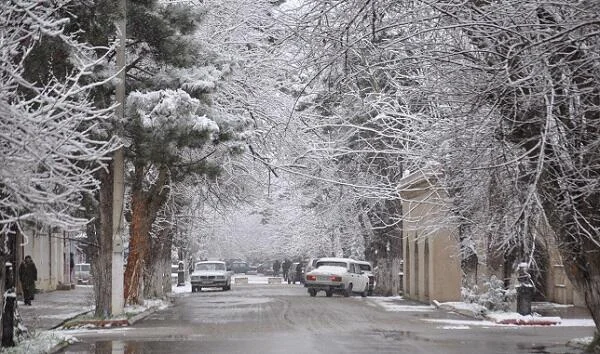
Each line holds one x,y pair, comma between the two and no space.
285,319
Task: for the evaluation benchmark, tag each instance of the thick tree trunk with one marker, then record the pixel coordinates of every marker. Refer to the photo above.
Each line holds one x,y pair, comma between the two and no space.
144,209
102,255
157,279
387,247
138,248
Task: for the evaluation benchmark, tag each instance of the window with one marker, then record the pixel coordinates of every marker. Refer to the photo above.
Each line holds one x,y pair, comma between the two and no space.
332,264
210,266
82,267
365,267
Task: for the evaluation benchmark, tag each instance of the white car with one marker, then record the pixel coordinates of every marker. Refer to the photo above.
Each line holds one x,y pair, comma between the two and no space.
337,275
367,268
210,274
83,273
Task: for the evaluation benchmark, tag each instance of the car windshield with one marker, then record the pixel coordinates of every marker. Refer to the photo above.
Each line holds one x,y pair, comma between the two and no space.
365,267
210,266
331,264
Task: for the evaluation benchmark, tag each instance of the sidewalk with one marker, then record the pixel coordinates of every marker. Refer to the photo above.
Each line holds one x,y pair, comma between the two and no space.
50,309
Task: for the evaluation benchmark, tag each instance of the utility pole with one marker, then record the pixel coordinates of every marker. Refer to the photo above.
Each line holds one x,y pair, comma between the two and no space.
117,294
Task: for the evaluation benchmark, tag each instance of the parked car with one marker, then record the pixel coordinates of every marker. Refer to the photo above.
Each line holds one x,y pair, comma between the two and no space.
252,270
83,273
265,269
337,275
294,276
174,273
239,267
210,274
311,264
367,268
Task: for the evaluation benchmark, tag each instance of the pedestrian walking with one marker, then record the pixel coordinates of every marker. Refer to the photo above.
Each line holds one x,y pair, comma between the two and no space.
276,266
28,277
72,267
298,273
286,267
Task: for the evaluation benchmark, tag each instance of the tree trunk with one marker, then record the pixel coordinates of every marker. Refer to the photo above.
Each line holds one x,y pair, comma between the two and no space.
144,209
157,277
7,312
8,283
102,231
387,245
138,248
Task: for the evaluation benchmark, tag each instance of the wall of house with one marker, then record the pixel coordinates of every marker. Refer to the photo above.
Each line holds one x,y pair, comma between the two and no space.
560,289
432,265
48,252
431,258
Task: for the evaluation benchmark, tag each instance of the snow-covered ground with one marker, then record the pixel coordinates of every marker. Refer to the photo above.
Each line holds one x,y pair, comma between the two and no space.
483,318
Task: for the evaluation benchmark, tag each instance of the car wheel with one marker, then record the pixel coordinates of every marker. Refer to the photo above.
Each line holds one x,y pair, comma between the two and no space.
312,292
364,293
348,291
329,293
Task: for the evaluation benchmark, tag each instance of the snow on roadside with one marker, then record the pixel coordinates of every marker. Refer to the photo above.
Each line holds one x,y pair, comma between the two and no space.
394,304
40,342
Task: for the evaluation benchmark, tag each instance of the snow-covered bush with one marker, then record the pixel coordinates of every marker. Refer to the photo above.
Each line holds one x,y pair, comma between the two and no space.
494,296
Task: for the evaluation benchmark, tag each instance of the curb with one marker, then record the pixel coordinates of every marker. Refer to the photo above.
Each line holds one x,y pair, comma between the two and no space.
99,324
534,321
70,319
103,324
141,315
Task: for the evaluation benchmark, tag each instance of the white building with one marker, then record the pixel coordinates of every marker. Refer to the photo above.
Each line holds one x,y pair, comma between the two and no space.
50,252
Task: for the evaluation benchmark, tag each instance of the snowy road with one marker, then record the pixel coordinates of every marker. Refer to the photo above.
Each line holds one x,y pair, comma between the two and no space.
282,318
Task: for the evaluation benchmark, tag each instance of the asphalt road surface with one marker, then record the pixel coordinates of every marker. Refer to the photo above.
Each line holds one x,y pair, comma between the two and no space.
285,319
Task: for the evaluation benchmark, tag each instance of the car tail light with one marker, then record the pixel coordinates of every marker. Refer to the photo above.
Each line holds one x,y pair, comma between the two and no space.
311,277
335,278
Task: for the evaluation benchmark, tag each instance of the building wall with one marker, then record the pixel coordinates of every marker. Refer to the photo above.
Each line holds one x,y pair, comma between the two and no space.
431,263
49,252
560,289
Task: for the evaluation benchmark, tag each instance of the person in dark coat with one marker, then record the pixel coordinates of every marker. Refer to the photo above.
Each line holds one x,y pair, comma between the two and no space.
276,266
72,266
28,277
299,272
285,267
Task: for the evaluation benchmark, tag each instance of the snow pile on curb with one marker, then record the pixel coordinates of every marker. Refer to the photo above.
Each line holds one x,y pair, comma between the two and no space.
517,319
467,309
508,318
